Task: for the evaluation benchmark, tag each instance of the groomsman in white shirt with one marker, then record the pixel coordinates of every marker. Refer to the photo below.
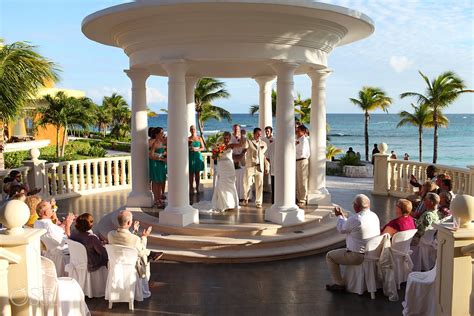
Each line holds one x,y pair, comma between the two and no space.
359,228
302,165
269,156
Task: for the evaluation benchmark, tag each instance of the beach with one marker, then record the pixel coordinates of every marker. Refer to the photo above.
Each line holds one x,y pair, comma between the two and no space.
455,148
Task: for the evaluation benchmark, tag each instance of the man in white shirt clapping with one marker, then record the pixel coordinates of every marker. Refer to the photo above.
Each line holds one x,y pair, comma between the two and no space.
359,227
302,165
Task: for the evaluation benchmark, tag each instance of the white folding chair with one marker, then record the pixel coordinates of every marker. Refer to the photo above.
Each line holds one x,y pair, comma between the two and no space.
92,283
424,254
363,277
420,293
123,281
402,264
61,296
57,253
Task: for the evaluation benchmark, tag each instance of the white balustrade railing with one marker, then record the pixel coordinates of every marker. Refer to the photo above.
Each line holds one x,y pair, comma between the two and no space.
5,172
68,178
207,175
399,172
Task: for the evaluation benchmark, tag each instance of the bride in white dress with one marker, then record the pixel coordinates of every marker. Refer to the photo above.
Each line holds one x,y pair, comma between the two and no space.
225,193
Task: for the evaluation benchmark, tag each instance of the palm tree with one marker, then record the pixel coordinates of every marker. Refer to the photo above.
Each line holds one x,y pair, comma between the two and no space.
303,109
121,114
332,151
207,91
62,111
103,118
421,117
440,93
22,72
370,99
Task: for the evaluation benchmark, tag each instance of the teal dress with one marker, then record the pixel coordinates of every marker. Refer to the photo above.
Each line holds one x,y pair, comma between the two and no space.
158,168
196,161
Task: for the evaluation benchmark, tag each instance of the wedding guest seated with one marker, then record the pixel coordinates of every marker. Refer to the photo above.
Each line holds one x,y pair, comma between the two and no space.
58,233
359,228
96,252
430,216
32,201
16,179
403,221
21,196
444,211
446,185
420,206
124,237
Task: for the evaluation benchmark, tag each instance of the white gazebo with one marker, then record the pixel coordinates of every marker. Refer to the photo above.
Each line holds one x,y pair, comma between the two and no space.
260,39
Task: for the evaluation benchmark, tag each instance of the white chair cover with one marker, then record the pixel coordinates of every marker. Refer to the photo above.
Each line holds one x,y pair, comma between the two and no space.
402,264
92,283
123,282
420,294
61,296
363,277
424,254
385,270
58,253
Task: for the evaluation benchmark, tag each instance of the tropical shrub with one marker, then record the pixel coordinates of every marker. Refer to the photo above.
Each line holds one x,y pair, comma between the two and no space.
15,159
349,160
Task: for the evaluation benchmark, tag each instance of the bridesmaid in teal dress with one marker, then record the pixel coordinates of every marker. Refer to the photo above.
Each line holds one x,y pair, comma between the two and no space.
196,161
158,167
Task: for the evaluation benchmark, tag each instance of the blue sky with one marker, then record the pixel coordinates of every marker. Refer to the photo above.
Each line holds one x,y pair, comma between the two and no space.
410,35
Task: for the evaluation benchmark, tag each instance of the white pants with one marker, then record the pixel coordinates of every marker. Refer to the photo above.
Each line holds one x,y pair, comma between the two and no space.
253,176
302,169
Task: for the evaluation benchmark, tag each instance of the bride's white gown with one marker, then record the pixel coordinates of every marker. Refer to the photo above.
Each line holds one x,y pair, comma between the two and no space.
225,193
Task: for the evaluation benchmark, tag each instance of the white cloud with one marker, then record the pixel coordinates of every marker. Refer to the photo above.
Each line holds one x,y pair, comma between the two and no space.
400,63
154,95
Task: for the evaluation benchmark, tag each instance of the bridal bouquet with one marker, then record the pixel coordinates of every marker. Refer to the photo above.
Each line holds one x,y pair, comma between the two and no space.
217,151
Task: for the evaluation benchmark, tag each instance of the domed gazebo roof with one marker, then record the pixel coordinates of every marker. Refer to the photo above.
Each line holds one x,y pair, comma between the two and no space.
227,38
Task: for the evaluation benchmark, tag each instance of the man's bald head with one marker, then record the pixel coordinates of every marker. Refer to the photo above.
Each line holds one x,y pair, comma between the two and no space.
125,219
361,203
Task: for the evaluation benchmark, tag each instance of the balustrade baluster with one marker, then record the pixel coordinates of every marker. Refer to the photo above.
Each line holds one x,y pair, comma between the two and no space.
392,177
60,178
75,180
123,176
102,173
129,170
95,178
54,186
81,176
116,173
87,165
67,169
46,181
109,173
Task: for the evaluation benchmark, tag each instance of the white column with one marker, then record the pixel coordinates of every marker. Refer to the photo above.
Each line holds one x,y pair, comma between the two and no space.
285,211
190,104
265,101
317,192
178,212
140,196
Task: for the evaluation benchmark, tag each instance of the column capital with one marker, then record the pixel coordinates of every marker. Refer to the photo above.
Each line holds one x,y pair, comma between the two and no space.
175,67
264,79
282,67
316,74
137,74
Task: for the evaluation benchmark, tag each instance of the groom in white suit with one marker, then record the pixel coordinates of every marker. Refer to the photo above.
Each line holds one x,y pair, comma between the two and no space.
254,167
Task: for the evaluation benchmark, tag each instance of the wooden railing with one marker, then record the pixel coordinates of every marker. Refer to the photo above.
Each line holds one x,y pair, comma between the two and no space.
69,178
399,172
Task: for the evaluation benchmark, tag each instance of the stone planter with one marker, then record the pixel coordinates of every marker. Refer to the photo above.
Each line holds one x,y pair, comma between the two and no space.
365,171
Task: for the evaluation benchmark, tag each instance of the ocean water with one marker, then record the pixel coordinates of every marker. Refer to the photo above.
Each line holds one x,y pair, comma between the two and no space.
455,143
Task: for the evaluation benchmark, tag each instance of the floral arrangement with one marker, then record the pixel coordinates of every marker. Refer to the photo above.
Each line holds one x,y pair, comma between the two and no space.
217,151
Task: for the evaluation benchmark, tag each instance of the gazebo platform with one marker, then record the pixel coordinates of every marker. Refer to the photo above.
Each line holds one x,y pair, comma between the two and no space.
237,235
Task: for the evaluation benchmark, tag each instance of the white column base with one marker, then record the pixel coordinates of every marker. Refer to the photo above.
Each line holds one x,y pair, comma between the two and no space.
319,197
179,216
140,199
284,216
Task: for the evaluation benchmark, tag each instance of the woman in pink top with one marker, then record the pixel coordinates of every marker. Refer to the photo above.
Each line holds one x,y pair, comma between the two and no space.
403,221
